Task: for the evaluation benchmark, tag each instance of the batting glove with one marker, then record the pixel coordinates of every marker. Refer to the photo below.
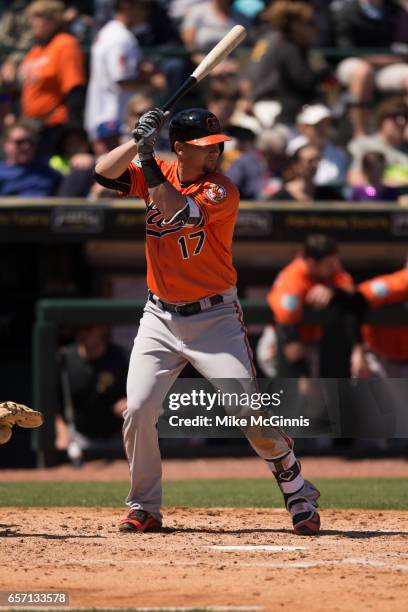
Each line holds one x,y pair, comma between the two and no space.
147,130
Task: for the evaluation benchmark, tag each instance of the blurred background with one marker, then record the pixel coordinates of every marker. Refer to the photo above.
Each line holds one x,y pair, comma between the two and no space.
316,103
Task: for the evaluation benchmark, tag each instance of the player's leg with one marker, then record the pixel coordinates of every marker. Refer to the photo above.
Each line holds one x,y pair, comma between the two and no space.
218,347
154,365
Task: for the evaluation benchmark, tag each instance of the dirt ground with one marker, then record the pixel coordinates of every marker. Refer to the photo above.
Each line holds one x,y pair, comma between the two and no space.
359,562
248,467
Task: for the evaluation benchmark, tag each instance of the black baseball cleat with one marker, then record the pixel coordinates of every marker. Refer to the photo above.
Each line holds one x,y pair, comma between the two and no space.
139,521
306,523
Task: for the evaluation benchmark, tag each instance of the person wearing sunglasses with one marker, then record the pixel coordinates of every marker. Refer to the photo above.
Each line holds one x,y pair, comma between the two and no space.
22,172
389,139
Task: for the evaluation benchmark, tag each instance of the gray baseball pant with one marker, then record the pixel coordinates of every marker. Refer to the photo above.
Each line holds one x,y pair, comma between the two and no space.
214,341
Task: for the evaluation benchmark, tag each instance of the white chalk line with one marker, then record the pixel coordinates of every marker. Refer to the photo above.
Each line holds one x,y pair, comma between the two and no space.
255,548
266,564
155,609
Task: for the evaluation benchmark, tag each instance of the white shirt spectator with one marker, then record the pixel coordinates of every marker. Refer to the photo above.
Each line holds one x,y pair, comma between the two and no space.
333,166
115,55
208,26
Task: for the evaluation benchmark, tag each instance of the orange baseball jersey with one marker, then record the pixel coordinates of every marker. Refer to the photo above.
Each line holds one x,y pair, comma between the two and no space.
388,341
49,73
185,264
288,294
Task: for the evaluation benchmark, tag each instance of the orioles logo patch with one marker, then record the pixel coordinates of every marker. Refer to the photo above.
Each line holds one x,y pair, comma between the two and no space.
213,124
216,193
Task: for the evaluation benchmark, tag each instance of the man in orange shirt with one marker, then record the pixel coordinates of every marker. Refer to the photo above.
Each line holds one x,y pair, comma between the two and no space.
387,344
52,73
314,279
192,314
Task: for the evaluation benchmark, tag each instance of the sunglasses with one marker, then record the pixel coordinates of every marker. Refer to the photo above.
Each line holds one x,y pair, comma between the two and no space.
400,117
22,141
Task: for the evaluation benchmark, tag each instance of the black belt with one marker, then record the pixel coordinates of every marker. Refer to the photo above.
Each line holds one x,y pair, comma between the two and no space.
186,310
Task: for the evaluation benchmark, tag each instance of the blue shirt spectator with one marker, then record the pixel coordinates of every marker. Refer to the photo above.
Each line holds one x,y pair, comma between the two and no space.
21,172
249,171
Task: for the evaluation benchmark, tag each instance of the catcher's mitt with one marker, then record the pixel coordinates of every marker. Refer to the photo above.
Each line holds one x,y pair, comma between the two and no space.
16,414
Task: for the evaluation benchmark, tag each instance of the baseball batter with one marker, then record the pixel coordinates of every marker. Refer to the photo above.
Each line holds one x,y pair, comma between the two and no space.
192,313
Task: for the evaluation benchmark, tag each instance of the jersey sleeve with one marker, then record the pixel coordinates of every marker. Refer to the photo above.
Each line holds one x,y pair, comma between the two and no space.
343,280
138,185
73,73
218,201
386,289
286,302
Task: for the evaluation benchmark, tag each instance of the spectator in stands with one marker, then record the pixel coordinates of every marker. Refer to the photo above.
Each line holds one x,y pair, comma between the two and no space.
103,11
280,77
115,66
16,35
205,24
178,9
93,391
314,122
138,104
73,149
272,143
52,74
304,160
75,161
367,24
373,168
312,279
158,28
392,120
22,172
249,172
78,20
325,35
222,98
107,137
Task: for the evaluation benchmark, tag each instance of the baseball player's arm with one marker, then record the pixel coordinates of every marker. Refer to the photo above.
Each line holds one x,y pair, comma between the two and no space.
287,308
116,162
174,207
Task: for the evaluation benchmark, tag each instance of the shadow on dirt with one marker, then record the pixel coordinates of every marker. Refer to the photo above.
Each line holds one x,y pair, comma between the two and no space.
9,533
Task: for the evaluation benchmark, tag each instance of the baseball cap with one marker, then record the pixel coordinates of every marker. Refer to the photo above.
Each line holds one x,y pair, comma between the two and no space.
296,144
313,114
196,126
108,129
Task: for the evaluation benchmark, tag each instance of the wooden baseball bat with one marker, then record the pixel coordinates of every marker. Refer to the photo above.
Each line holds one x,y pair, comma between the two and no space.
212,59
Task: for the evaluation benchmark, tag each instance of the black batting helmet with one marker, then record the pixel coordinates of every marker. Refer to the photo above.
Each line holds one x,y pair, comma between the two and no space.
196,126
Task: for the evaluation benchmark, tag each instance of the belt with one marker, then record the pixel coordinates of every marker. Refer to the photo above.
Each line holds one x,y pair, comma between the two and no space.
191,308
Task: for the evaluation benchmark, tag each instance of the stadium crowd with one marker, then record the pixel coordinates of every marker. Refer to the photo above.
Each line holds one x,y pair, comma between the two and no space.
315,100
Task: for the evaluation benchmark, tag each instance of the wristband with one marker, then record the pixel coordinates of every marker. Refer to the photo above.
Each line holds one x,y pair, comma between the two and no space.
152,173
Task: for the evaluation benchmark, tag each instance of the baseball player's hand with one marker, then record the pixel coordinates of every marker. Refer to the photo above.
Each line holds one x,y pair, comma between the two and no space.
17,414
358,363
147,130
319,297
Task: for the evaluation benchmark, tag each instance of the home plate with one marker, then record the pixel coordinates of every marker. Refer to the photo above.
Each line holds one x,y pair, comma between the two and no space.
262,547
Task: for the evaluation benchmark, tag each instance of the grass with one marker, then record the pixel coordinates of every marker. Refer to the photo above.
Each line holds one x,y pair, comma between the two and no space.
369,493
